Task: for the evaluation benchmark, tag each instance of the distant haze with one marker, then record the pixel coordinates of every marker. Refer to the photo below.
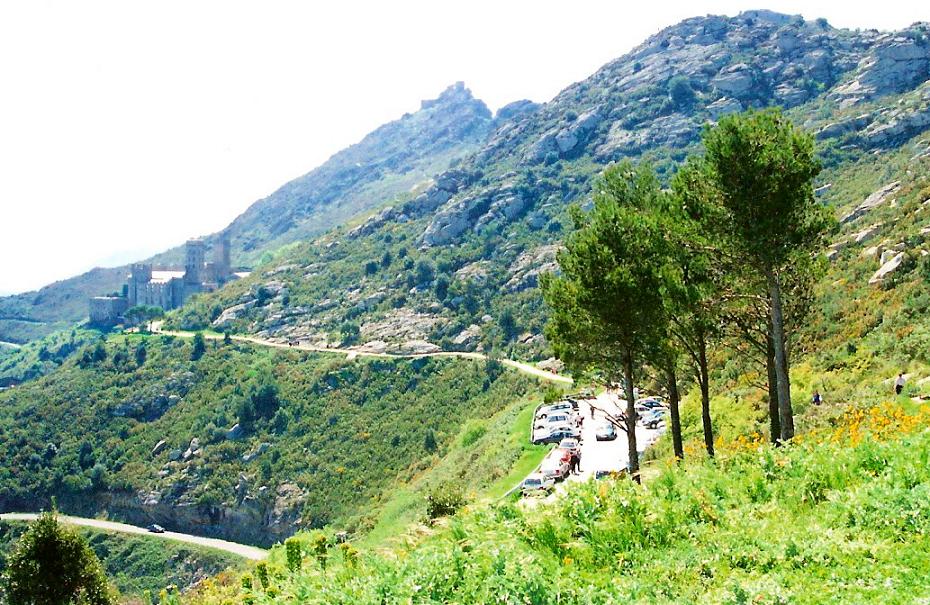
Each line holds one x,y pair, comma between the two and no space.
126,128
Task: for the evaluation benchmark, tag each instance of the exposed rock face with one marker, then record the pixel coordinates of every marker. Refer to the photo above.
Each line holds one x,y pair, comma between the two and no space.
525,271
400,325
876,199
517,109
476,210
897,62
888,267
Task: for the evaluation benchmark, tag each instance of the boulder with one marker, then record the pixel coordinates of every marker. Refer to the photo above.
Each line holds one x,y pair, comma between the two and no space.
159,447
192,450
870,203
888,267
722,107
235,433
867,233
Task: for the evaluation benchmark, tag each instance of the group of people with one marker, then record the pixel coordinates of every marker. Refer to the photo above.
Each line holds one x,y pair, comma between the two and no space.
899,383
574,463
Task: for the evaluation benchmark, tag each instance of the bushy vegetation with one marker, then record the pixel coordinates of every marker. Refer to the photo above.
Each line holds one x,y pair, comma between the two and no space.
136,564
87,433
838,516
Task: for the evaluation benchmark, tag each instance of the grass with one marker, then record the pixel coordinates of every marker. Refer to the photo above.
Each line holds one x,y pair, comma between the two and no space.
840,516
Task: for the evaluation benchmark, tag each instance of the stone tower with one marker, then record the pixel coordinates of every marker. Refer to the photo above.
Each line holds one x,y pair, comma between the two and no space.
221,258
140,276
193,266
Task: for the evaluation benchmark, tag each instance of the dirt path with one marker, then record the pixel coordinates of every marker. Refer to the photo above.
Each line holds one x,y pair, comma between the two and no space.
242,550
355,353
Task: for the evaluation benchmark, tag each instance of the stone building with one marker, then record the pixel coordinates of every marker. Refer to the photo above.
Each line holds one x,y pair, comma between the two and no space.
169,287
107,310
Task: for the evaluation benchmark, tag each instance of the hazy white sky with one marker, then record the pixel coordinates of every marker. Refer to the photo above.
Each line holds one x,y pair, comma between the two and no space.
126,127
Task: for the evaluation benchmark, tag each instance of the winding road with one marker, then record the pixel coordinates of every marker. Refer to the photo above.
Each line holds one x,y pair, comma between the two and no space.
355,353
242,550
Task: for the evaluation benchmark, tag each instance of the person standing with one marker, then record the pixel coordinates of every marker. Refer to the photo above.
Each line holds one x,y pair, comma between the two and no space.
899,383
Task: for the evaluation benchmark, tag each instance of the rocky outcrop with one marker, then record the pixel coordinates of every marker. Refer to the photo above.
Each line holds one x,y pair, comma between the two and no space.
888,267
475,210
896,63
735,81
525,271
870,203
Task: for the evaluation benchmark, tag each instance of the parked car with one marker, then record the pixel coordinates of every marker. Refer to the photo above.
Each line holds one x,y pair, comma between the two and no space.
605,432
570,445
537,484
563,407
602,474
557,419
555,468
651,403
155,528
556,434
652,419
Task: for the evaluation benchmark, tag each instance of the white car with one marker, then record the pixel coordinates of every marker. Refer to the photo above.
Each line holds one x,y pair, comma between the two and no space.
605,432
537,484
558,419
564,407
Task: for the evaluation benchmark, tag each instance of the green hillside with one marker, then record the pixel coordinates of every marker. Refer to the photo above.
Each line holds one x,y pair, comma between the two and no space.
136,428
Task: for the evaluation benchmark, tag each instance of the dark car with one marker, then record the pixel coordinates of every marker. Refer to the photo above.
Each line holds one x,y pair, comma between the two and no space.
155,528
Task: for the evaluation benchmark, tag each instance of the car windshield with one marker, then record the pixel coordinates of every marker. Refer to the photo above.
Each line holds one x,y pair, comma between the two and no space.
533,482
558,418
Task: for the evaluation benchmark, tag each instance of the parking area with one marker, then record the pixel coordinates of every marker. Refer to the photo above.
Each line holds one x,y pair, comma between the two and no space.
583,429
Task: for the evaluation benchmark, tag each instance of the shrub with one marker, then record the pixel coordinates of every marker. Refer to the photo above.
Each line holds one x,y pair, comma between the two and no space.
444,500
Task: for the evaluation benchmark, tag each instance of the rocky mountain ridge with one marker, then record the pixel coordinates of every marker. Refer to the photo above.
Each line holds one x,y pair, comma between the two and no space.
503,208
389,160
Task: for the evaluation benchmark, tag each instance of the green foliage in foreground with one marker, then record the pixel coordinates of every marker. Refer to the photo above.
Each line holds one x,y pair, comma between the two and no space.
825,522
52,565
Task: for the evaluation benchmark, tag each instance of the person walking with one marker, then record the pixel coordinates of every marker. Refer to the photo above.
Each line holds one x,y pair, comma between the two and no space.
899,383
816,399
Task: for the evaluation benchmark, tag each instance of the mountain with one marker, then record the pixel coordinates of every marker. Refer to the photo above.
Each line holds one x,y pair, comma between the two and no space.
453,265
388,161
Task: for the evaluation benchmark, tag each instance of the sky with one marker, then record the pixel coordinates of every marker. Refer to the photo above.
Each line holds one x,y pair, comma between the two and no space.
127,127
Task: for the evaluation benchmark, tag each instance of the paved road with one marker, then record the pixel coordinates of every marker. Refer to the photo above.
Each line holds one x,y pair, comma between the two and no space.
355,353
242,550
601,455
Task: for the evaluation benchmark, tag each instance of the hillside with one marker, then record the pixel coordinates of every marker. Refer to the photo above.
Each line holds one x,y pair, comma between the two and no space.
388,161
841,517
456,265
246,443
326,442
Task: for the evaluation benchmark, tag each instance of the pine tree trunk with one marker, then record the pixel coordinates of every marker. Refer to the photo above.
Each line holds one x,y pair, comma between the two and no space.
631,419
774,421
786,416
673,401
704,379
